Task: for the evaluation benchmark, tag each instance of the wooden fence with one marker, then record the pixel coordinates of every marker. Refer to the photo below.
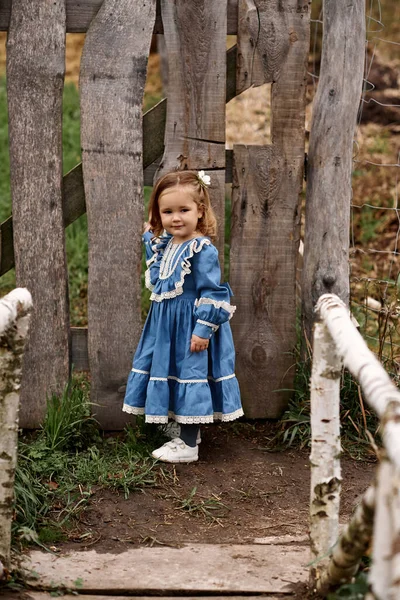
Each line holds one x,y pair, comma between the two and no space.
335,560
121,152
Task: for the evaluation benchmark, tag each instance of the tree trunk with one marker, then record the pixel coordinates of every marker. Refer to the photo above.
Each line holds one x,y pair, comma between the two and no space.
325,449
352,545
14,320
326,238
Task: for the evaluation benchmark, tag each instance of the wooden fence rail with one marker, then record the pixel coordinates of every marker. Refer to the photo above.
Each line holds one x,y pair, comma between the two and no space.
14,321
335,560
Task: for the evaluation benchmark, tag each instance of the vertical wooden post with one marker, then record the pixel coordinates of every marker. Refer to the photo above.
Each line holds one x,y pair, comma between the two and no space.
35,75
273,43
14,322
264,361
325,450
288,133
113,73
195,38
326,243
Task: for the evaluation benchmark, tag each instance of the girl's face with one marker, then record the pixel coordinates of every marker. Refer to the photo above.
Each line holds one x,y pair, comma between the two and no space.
179,213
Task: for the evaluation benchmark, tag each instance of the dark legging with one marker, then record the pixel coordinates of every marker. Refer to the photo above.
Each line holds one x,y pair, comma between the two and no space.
189,434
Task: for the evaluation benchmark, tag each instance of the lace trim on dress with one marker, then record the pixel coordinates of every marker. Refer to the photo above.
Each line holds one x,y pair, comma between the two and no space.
170,259
178,380
187,380
133,410
194,246
183,380
151,260
229,416
213,326
217,303
147,280
222,378
195,420
156,419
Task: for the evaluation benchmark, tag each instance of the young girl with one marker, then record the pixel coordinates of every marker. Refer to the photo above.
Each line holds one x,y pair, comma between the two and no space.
183,367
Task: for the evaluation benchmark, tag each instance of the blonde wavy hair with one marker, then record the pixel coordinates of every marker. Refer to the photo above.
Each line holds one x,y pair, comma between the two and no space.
207,224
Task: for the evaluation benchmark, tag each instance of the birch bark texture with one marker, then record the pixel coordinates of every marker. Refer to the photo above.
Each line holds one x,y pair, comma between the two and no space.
378,389
14,321
381,395
113,73
352,545
383,542
35,76
195,40
327,219
325,450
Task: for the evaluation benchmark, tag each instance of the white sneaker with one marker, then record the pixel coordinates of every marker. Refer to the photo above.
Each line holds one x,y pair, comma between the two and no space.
173,430
176,451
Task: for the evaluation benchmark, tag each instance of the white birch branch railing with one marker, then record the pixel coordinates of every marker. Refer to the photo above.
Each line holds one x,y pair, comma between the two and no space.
14,321
335,560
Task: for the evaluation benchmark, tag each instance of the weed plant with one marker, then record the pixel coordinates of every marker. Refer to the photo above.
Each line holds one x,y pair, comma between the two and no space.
358,422
61,465
351,591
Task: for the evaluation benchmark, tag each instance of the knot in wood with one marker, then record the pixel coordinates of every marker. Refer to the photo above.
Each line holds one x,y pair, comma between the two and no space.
329,279
258,355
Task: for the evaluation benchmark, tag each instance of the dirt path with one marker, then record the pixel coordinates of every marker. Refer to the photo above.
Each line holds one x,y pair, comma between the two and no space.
237,492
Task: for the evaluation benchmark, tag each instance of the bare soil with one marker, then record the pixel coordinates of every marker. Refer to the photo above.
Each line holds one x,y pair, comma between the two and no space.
237,492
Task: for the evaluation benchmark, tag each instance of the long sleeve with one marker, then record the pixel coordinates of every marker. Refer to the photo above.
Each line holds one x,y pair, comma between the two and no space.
212,306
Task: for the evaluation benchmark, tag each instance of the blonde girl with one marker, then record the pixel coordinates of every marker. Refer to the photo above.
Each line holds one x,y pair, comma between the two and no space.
183,368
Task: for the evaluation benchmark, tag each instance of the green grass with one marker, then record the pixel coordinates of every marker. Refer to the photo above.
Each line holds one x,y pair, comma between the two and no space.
59,465
358,422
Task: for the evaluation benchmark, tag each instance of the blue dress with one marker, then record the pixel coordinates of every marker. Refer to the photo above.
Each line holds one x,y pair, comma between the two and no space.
167,380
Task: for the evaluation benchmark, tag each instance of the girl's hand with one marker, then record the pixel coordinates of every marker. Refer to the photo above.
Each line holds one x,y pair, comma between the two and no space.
198,344
146,227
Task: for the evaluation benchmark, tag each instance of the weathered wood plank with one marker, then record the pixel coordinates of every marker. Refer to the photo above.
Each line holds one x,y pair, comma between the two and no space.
113,74
49,596
79,349
80,14
264,360
287,133
193,569
35,90
195,38
263,42
153,132
326,243
273,41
